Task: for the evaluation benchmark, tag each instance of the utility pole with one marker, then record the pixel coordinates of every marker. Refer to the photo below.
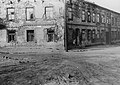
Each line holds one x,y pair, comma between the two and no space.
65,28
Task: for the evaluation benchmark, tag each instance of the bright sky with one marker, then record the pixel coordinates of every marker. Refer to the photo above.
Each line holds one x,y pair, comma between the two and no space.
110,4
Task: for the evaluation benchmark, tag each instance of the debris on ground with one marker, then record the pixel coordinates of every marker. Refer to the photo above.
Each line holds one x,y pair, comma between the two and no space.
56,70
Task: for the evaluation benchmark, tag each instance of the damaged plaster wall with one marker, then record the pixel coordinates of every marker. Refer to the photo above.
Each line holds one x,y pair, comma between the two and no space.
39,13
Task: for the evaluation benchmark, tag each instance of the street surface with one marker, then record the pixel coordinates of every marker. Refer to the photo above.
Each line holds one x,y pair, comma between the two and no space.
99,65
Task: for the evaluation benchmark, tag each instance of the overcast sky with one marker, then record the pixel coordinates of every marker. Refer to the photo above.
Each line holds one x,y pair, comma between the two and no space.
110,4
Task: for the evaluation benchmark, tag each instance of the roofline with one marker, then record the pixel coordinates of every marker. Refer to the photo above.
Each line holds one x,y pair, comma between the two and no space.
102,7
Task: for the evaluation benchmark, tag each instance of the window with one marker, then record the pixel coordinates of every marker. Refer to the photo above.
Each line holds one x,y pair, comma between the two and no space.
83,16
49,12
107,20
30,35
11,35
89,16
112,20
29,13
93,18
102,16
51,35
70,14
10,14
98,17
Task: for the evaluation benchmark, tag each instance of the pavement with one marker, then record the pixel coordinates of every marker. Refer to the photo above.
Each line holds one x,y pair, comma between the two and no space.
100,49
30,49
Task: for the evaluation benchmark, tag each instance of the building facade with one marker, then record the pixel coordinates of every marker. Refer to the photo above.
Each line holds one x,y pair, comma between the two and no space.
90,24
41,22
36,22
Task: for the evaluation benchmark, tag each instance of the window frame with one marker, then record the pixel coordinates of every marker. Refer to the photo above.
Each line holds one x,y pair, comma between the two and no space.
46,12
8,18
88,16
98,17
27,16
93,17
83,16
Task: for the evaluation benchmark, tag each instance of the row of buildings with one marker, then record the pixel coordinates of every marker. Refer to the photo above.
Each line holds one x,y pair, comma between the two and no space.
36,22
90,24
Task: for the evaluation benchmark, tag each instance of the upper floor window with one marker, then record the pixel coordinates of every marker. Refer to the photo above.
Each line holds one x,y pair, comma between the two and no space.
49,12
29,13
107,20
98,17
102,17
11,14
93,17
70,14
89,16
115,21
83,16
112,20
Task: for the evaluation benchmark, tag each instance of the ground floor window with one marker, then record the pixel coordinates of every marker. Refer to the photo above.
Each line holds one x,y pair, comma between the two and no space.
11,35
50,35
30,35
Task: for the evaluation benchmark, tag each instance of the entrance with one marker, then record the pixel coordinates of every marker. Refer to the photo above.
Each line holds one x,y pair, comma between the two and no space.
30,35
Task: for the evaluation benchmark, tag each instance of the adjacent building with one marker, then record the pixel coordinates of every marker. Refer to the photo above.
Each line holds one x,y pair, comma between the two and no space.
90,24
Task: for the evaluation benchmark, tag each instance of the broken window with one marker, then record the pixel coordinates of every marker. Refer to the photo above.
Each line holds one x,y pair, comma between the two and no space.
11,35
49,12
11,14
30,35
29,13
51,35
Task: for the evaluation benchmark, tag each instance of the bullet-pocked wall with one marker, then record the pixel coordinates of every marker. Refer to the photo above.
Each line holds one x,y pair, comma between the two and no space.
33,21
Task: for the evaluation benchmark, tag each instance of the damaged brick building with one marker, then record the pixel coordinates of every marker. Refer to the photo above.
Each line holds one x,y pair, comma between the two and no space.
36,22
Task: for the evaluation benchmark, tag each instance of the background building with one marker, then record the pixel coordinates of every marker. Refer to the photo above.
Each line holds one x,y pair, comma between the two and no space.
90,24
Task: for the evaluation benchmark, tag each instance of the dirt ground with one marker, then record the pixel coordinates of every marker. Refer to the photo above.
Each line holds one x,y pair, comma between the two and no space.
94,66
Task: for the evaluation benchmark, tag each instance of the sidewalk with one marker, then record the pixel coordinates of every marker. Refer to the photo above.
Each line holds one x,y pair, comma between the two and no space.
30,49
35,49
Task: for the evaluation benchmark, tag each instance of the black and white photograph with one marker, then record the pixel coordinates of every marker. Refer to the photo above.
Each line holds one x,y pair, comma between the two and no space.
59,42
